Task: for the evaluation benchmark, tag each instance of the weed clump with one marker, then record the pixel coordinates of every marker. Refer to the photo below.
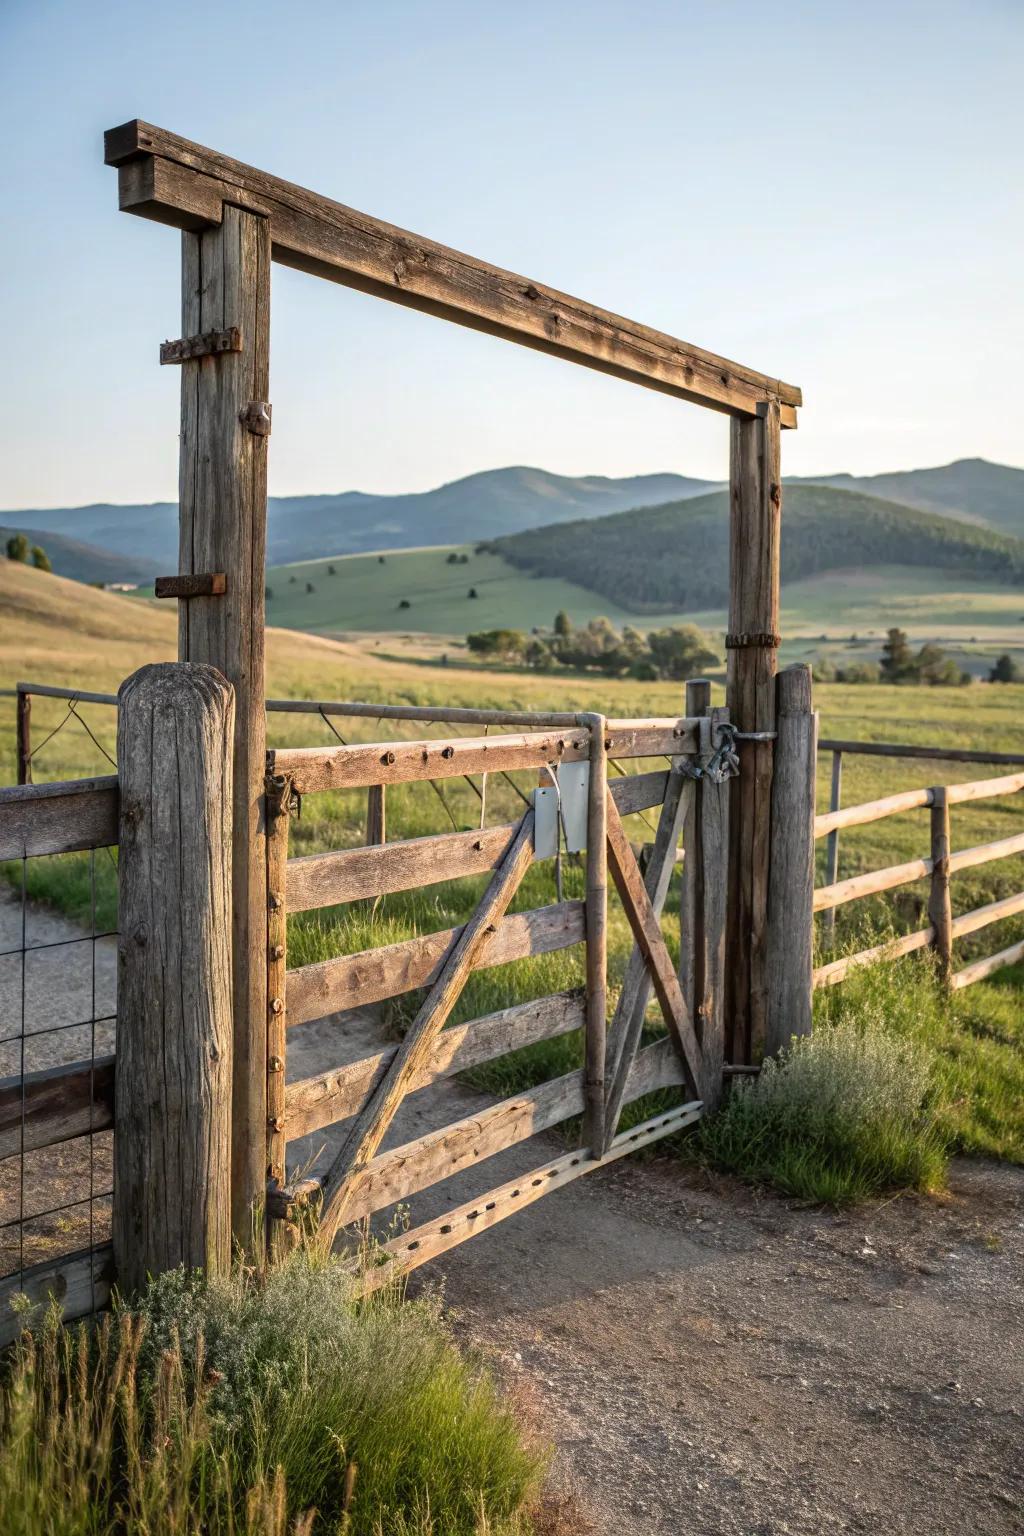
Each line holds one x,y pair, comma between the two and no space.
840,1115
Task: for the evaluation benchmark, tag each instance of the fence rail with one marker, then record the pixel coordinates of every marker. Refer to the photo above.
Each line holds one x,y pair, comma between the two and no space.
939,865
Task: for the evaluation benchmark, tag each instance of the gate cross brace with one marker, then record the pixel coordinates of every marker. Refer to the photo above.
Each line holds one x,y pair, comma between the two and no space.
627,1025
643,920
371,1124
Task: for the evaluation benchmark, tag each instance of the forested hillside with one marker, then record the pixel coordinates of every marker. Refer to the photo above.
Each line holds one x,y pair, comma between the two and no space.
677,556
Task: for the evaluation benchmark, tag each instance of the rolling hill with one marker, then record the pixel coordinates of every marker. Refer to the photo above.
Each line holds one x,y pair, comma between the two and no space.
972,490
86,562
480,506
675,557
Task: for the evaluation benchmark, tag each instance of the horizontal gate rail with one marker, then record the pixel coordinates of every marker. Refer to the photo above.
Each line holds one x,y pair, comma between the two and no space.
56,1104
465,1221
354,874
314,769
355,981
70,817
318,1101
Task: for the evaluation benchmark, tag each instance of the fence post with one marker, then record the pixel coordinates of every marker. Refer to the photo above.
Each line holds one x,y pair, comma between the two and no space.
225,422
835,800
755,506
173,1063
940,910
791,880
24,732
376,815
691,905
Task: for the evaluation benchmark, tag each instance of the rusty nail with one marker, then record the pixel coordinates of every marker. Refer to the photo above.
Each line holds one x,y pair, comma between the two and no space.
276,1123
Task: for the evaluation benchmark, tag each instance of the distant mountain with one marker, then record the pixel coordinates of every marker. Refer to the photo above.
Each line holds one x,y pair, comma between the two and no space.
85,562
991,495
482,506
657,559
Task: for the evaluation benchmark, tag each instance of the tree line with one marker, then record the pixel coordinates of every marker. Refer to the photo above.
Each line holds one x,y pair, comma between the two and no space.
675,652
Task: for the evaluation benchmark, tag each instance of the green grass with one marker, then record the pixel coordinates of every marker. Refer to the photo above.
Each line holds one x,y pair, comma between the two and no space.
271,1405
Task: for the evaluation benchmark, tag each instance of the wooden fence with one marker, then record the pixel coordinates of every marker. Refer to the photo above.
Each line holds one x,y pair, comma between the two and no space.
937,866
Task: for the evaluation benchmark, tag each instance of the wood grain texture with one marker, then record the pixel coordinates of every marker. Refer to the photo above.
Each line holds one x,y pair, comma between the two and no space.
279,805
165,177
992,912
835,801
371,1124
58,818
23,734
984,789
401,762
870,884
57,1104
790,958
648,936
79,1282
940,908
315,1102
222,527
174,1037
986,853
199,584
356,981
935,754
433,1238
376,815
698,703
755,506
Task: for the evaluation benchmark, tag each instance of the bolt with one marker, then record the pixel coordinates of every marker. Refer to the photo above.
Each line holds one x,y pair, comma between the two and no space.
448,752
275,1064
277,1005
388,758
277,952
276,1123
273,900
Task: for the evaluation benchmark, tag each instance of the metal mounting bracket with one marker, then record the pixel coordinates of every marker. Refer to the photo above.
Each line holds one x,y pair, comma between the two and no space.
209,344
569,802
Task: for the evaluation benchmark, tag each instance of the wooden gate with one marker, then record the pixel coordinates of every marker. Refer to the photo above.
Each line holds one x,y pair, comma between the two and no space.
366,1094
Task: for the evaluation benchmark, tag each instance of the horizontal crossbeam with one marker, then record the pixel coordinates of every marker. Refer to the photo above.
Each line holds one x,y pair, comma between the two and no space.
164,177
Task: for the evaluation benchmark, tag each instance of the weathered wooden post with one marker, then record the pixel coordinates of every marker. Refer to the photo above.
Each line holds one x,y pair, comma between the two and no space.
791,879
703,900
691,886
24,736
376,814
940,909
225,425
755,505
173,1061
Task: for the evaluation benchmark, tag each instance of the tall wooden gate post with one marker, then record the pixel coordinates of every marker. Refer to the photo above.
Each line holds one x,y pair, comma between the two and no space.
791,878
223,514
940,910
173,1060
755,505
24,728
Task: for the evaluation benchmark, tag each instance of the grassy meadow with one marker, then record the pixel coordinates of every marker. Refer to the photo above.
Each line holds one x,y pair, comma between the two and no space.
58,632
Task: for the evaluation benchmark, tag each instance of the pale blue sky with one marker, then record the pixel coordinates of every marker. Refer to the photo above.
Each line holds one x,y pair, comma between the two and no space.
830,191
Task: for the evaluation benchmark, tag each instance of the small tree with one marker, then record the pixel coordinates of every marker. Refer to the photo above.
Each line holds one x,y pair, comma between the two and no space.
332,570
17,548
897,664
268,594
473,592
405,603
40,559
681,652
310,587
1006,670
563,624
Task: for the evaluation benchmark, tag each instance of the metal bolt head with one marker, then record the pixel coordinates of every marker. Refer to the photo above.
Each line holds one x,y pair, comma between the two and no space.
277,952
275,1064
277,1005
388,758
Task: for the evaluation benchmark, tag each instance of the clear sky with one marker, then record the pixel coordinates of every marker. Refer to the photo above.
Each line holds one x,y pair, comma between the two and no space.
828,190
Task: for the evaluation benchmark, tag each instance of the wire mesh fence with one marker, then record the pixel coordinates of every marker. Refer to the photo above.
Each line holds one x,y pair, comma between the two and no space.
58,973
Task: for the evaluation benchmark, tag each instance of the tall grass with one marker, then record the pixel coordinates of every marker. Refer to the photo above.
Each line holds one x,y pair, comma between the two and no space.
259,1406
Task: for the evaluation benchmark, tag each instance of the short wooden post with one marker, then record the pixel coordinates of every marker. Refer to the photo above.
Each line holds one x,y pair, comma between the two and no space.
597,934
755,501
940,908
835,801
791,880
173,1060
24,732
376,815
222,518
